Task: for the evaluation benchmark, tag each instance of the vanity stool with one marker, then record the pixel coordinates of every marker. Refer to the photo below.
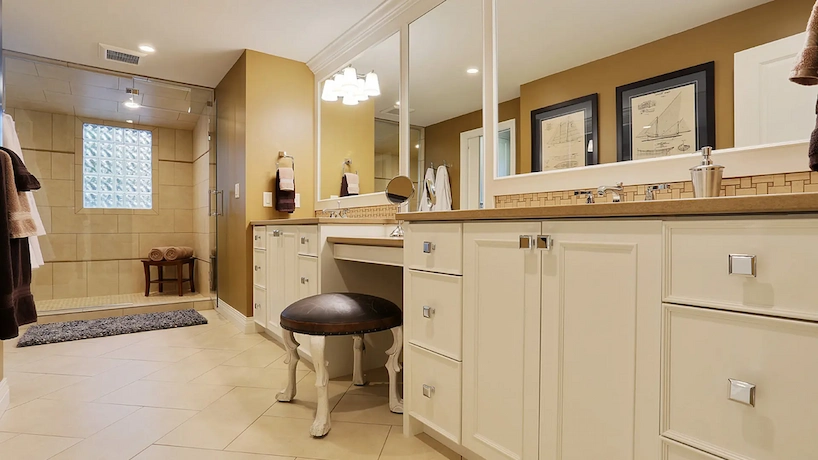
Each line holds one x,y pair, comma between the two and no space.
340,314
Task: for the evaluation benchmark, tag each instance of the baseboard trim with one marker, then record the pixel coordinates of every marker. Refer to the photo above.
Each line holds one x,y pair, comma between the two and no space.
5,394
245,324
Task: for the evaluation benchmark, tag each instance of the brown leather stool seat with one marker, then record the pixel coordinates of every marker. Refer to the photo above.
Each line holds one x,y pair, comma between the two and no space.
341,314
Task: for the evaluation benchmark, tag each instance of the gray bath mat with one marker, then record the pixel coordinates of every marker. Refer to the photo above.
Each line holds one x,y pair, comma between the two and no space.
87,329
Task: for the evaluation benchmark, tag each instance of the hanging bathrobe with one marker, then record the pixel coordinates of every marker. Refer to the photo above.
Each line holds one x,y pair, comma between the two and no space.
12,142
425,201
443,190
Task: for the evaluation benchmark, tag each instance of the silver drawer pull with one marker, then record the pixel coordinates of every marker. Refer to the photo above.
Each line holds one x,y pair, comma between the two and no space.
428,311
257,305
526,241
742,264
428,390
428,247
256,237
304,240
304,280
256,268
276,232
544,242
742,392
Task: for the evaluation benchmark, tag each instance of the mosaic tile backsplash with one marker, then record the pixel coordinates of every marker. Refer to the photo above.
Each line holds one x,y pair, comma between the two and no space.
736,186
386,211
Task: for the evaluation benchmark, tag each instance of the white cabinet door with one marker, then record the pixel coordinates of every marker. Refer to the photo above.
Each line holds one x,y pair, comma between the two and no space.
501,341
601,317
768,106
275,298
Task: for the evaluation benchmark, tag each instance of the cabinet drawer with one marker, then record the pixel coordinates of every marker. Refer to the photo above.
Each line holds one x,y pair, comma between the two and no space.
260,267
260,306
434,392
259,240
307,276
308,240
435,248
782,252
704,348
434,312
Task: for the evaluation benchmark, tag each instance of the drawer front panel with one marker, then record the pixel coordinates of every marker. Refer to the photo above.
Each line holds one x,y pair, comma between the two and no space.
434,392
738,385
781,252
434,313
435,248
260,306
674,451
260,267
259,237
308,240
307,276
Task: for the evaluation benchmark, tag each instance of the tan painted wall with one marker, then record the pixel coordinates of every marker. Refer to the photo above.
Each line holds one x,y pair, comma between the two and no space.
443,141
717,41
265,104
347,132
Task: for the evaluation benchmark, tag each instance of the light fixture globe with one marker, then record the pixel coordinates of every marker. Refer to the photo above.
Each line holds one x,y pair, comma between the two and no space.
350,99
372,86
349,83
360,93
330,92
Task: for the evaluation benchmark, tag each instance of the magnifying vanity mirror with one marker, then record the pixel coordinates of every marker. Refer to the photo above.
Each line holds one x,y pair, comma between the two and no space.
398,191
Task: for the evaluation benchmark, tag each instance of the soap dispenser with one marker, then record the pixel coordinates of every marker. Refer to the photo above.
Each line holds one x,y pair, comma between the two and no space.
706,177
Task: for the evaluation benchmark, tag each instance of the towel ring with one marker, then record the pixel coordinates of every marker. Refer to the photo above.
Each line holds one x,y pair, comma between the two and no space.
346,163
284,155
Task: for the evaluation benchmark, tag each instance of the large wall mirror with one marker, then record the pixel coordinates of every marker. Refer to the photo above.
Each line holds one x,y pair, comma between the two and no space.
619,81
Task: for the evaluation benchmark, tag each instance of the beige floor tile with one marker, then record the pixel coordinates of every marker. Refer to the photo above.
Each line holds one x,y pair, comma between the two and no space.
421,447
193,366
170,395
291,437
261,355
248,377
28,387
240,342
93,347
71,365
12,361
220,423
93,388
33,447
147,351
129,436
184,453
62,418
6,436
304,404
366,409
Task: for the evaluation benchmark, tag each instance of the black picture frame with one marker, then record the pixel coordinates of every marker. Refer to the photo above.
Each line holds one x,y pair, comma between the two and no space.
703,76
589,105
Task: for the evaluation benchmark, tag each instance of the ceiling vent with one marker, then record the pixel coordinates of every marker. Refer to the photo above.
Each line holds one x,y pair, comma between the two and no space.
112,53
394,111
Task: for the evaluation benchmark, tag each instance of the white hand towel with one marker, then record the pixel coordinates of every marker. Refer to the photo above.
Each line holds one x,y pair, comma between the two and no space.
352,184
425,202
286,178
12,142
443,190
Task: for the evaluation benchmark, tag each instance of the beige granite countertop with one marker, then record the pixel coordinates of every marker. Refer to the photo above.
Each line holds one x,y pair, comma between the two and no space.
325,220
734,205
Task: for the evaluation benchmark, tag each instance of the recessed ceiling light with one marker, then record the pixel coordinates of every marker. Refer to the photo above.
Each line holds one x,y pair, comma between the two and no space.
128,121
131,104
147,48
417,146
646,127
397,102
472,70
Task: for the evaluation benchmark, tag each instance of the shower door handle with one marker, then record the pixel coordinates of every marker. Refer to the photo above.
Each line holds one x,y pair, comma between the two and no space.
220,202
210,193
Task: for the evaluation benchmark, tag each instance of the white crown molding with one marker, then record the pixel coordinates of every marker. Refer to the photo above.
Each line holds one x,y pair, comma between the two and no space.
245,324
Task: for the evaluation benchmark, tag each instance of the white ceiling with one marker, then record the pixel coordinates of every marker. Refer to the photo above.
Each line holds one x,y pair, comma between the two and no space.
535,39
196,41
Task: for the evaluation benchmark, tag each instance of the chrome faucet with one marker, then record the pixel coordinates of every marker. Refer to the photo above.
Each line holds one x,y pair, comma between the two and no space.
339,212
650,191
589,195
613,188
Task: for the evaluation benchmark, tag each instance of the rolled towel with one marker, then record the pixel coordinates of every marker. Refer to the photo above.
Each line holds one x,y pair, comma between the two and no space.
178,252
805,71
286,177
157,254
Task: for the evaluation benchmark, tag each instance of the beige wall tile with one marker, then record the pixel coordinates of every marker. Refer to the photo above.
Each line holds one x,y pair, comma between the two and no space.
201,222
62,166
797,176
66,220
175,197
131,276
109,313
33,129
55,192
42,281
62,132
58,247
149,223
183,221
45,216
202,277
103,277
798,186
201,195
38,163
166,144
201,144
166,173
70,280
200,170
183,174
152,240
107,246
184,145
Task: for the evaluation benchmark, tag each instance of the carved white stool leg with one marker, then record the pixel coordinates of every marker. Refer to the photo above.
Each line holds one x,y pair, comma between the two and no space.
321,425
358,365
393,367
287,394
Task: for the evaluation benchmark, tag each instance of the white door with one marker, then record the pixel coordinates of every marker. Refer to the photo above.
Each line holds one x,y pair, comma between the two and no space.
601,317
472,162
501,341
769,107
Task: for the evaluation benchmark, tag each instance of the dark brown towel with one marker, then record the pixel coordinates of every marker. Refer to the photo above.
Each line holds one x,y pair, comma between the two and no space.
813,144
23,179
345,186
285,199
805,71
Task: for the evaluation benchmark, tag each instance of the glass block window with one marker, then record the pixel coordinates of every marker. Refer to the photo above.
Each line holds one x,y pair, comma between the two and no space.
116,167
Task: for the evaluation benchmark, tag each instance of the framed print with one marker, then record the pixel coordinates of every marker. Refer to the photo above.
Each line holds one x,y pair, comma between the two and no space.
564,135
667,115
